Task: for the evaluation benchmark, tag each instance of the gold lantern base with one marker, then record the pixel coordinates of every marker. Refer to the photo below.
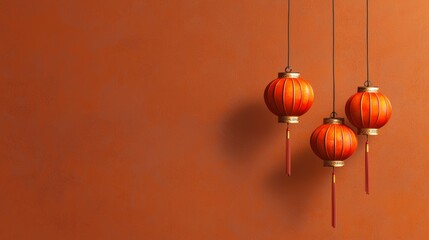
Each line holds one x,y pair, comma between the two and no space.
288,119
368,131
333,163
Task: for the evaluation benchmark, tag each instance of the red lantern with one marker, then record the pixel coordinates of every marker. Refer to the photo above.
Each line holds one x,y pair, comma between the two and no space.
288,97
333,142
368,110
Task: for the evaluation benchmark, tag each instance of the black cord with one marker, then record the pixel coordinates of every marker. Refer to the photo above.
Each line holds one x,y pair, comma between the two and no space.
333,114
288,68
367,82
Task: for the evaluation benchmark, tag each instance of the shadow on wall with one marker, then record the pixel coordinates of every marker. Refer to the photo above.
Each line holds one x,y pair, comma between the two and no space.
246,128
309,177
293,193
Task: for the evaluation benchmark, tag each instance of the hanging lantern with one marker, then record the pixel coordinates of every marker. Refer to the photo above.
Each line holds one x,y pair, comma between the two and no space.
289,96
368,110
333,142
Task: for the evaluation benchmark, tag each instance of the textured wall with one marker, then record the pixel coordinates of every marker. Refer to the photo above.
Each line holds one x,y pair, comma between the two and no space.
145,120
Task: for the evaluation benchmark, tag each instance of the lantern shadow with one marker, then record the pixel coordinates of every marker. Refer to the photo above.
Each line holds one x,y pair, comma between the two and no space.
292,194
245,129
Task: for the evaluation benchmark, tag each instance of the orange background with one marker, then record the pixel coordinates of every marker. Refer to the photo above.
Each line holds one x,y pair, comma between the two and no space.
145,120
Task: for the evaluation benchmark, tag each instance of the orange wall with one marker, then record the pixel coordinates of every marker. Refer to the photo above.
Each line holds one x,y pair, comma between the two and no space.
145,120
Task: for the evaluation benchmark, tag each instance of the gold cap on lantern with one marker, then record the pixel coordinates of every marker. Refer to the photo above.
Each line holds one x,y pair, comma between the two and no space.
333,120
370,89
289,75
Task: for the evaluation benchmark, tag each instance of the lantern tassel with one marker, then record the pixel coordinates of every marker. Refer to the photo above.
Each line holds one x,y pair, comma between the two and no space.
334,209
367,166
288,152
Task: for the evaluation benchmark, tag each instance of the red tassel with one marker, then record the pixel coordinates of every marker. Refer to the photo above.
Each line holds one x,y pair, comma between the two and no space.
366,166
334,209
288,152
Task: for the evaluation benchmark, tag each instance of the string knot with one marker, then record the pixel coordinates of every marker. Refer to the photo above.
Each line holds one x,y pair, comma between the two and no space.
367,83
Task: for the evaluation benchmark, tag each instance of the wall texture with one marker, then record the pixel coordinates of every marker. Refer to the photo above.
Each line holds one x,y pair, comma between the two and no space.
139,119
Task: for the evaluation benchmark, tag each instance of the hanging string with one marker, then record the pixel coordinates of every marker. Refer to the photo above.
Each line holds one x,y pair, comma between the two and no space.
334,113
288,67
367,82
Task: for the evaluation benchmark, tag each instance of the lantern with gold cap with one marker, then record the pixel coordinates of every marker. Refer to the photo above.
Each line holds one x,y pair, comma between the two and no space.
368,110
289,96
333,141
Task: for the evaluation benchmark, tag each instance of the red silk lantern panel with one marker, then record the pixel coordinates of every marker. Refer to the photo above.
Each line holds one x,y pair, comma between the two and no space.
333,142
368,110
288,97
